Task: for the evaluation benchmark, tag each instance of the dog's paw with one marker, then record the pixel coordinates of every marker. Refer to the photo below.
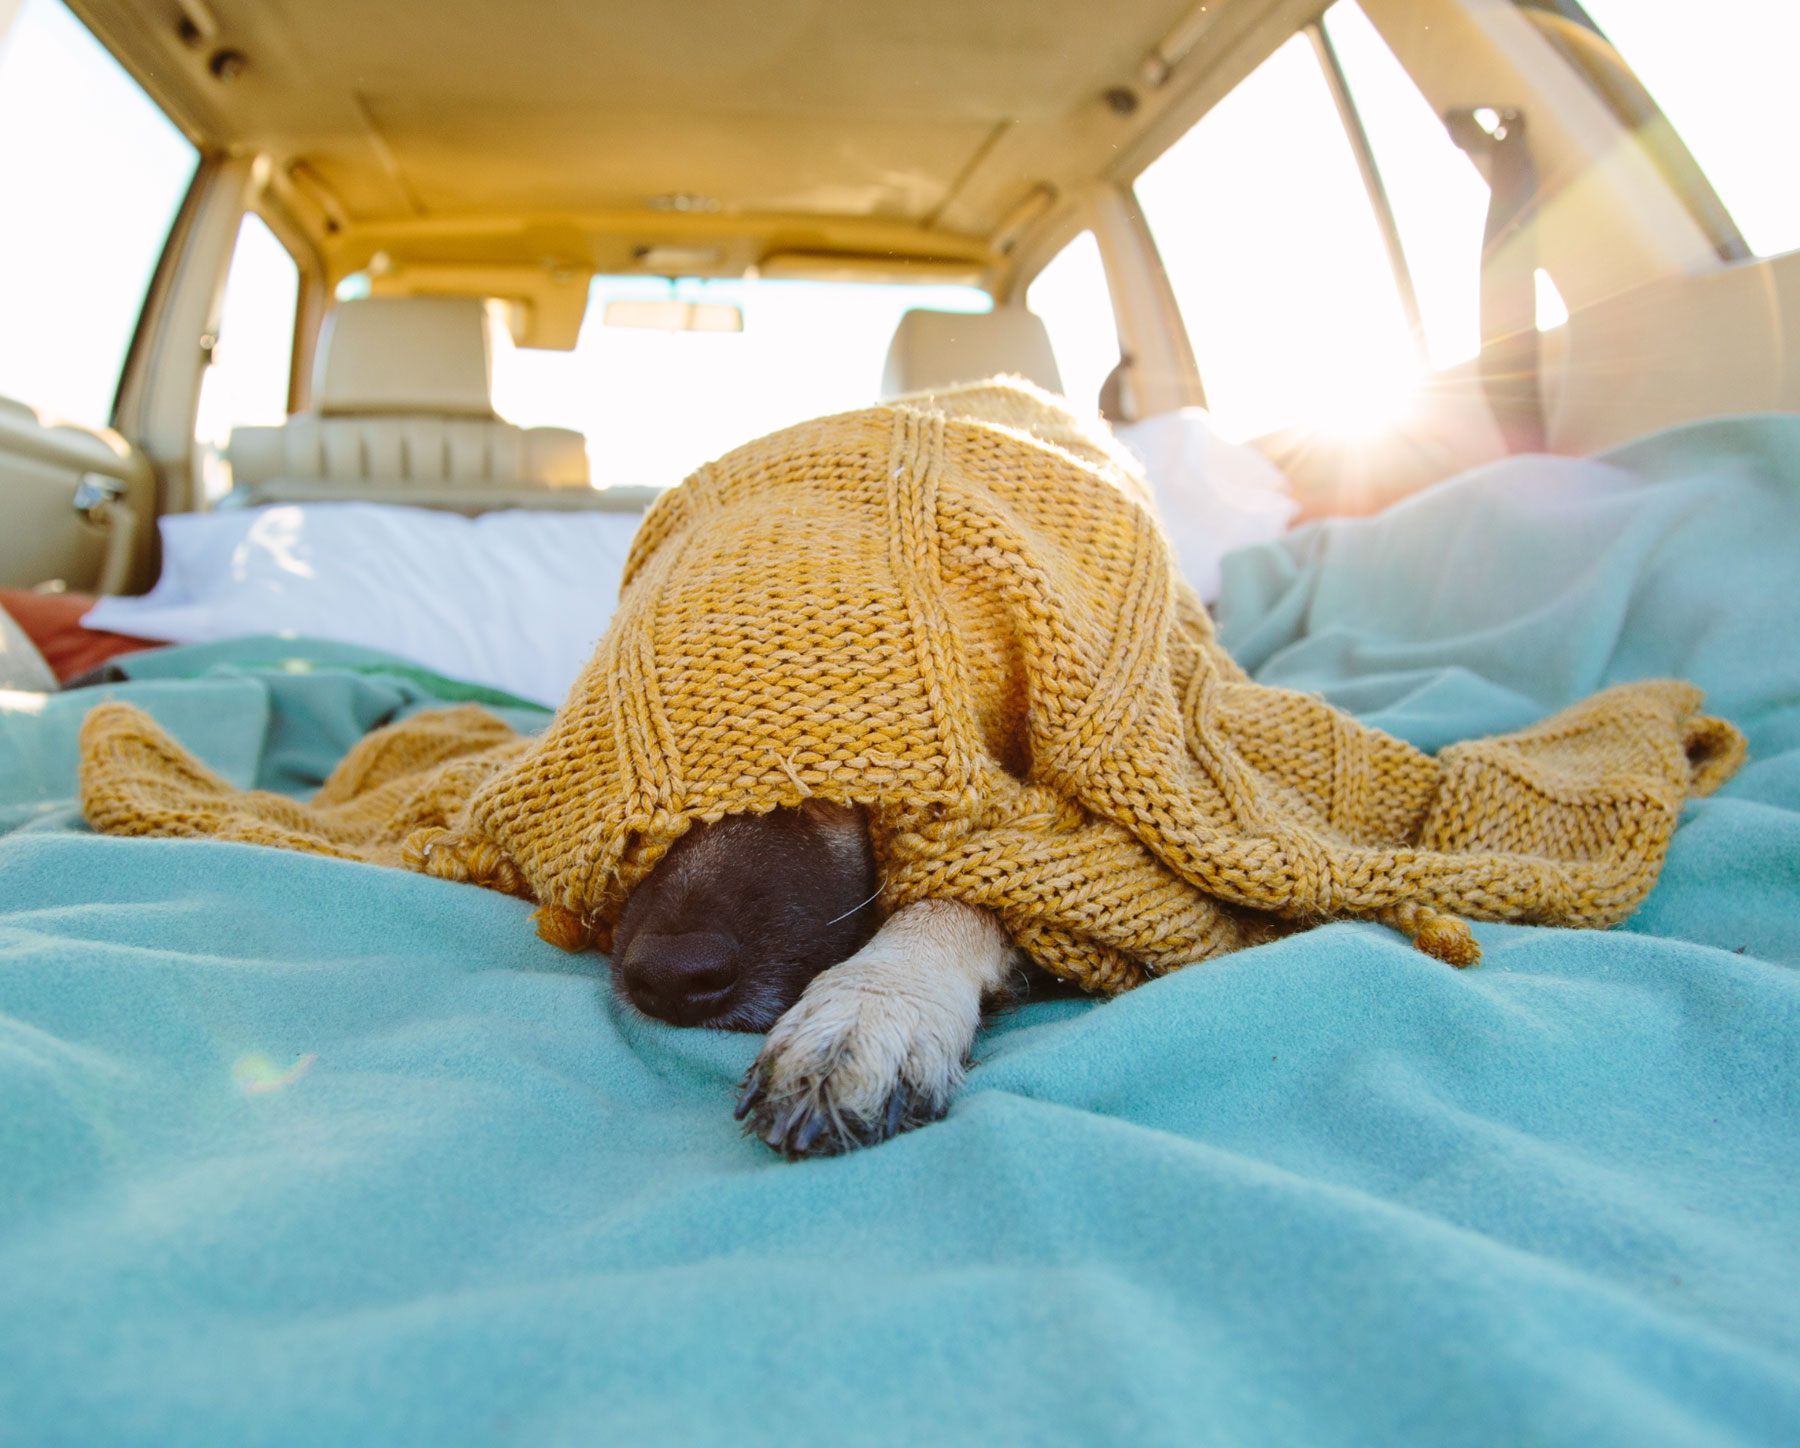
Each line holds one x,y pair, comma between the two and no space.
876,1046
853,1063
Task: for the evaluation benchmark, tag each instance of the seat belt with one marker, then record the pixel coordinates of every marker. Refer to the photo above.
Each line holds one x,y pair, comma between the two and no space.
1510,363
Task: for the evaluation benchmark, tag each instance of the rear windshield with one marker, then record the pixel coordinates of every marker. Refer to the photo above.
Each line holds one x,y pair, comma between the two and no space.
655,404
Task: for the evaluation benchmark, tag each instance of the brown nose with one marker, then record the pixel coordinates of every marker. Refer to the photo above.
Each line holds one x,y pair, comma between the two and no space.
680,978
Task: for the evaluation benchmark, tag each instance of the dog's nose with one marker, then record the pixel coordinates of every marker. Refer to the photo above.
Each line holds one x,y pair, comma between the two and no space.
680,978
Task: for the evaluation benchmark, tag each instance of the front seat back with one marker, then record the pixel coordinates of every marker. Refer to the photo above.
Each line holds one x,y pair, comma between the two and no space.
931,350
402,411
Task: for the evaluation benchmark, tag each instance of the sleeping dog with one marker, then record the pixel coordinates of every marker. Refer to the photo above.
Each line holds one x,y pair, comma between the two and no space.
768,923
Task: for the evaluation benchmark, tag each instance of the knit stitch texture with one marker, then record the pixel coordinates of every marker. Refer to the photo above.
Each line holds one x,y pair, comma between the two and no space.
959,612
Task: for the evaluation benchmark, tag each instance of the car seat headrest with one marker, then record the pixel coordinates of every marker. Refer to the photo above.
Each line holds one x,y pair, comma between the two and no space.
406,355
932,350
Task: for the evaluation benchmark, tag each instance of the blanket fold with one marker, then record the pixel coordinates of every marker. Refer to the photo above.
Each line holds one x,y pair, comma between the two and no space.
959,613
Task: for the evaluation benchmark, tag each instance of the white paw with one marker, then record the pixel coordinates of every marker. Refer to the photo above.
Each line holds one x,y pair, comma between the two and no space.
877,1044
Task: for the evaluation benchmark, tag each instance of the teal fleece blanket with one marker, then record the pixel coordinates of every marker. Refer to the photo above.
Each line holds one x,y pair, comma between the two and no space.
295,1151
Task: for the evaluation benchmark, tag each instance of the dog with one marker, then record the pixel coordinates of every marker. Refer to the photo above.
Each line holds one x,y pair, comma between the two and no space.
768,923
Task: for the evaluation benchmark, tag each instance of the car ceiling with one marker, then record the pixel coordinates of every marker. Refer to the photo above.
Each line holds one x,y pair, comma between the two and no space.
899,129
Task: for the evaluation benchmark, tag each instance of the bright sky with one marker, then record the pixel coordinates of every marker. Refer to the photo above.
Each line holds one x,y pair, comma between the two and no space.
91,174
248,383
1284,329
1728,92
1259,214
1071,296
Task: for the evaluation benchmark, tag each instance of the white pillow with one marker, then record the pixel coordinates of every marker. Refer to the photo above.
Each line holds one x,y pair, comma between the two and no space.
514,600
517,600
1214,495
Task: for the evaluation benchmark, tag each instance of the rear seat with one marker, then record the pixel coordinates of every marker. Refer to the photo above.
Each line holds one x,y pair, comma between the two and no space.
403,412
941,349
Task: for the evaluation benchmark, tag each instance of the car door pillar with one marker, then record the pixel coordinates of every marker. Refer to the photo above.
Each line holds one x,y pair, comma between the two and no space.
159,393
1160,374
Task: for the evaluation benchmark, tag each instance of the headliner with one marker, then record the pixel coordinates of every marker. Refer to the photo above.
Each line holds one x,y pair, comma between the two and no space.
578,133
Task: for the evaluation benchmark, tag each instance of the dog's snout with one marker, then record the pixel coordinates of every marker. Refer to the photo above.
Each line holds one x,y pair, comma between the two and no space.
682,978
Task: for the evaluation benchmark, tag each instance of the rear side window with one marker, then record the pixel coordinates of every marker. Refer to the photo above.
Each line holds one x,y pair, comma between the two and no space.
247,382
93,175
1439,199
656,404
1305,308
1723,75
1276,259
1071,296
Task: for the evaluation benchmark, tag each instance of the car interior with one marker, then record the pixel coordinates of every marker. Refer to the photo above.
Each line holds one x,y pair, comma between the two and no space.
438,177
348,345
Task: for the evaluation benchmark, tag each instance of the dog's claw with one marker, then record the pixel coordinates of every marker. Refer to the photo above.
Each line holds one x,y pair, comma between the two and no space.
753,1085
798,1126
780,1134
808,1133
896,1112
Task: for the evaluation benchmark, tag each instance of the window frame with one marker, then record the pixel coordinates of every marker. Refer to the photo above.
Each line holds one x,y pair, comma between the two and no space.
137,408
157,404
1161,374
162,278
1153,336
1350,126
312,300
1640,226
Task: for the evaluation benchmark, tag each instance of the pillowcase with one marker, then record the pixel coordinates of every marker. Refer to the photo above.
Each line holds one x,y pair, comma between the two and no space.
514,600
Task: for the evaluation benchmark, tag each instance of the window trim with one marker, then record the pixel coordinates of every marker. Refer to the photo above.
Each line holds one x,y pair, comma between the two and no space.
1162,371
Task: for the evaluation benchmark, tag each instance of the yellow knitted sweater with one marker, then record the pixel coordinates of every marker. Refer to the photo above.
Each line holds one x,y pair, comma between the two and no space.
958,613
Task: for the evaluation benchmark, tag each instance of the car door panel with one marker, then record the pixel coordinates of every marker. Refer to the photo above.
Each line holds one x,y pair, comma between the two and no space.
79,503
